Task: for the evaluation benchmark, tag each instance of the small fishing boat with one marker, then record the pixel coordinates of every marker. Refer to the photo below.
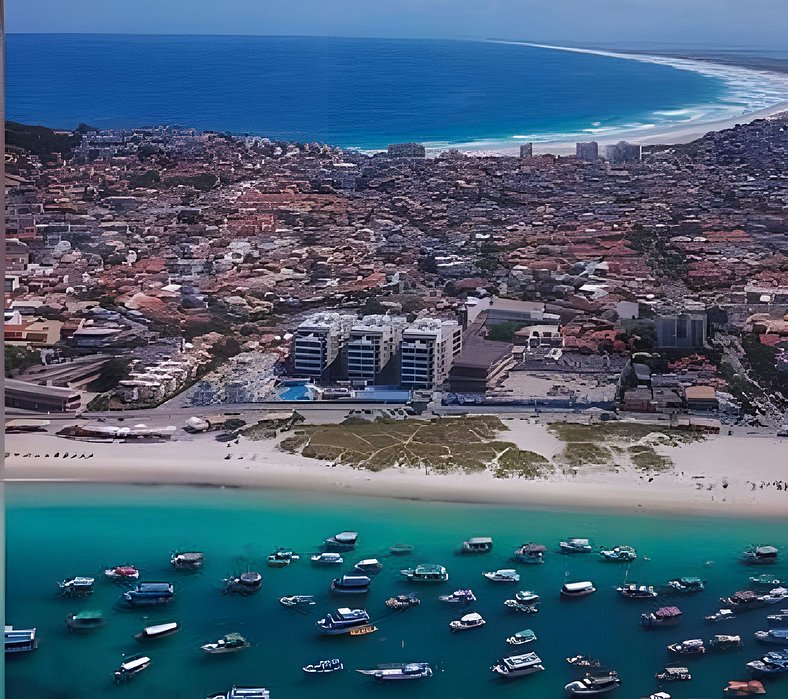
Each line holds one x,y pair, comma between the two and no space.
619,554
742,600
775,596
121,573
780,620
583,661
722,642
759,555
637,592
522,607
188,560
147,594
243,693
664,616
575,545
765,579
674,674
20,640
469,621
400,549
351,585
530,553
363,630
229,643
281,558
403,602
245,584
344,541
720,615
592,685
158,631
426,573
518,665
131,667
459,597
507,575
773,663
477,544
777,636
297,600
323,667
85,621
369,566
521,638
693,646
687,585
527,596
329,559
577,589
76,587
399,671
343,620
737,688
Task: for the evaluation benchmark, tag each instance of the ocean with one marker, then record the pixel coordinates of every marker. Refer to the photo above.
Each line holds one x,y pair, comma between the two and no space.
367,93
59,531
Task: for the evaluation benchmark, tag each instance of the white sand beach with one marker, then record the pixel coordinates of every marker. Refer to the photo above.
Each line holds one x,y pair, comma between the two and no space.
723,475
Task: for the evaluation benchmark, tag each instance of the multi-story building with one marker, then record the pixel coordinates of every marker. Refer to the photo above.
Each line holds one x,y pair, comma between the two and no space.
319,342
373,341
527,150
427,351
683,330
623,152
587,151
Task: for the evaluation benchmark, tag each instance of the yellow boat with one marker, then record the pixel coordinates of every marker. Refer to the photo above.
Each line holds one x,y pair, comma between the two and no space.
363,630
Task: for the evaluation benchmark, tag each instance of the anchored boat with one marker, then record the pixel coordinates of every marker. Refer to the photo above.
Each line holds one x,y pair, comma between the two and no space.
330,559
229,643
245,584
592,685
693,646
664,616
20,640
723,642
674,674
131,667
619,554
720,615
577,589
158,631
399,671
400,549
521,638
760,554
469,621
281,558
243,693
518,665
426,573
477,544
343,620
637,592
402,602
85,621
369,566
120,573
148,594
776,636
575,545
188,560
459,597
297,600
530,553
324,666
344,541
504,575
76,587
687,585
351,585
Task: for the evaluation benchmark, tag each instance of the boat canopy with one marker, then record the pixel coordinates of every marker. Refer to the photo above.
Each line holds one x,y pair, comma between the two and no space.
135,663
765,551
429,569
369,562
578,586
346,537
533,548
473,616
479,541
88,615
668,612
160,628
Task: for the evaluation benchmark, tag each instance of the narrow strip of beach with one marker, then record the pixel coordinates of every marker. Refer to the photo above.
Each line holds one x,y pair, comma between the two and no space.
726,476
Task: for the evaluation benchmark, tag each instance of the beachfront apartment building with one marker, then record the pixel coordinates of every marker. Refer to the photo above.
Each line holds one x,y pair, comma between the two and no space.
318,342
427,351
588,150
373,342
623,152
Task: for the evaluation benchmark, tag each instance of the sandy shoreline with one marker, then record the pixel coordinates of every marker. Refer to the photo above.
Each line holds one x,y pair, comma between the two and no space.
735,76
694,486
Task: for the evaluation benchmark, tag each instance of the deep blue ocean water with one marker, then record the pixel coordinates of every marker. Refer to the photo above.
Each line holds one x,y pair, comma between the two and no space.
58,531
349,92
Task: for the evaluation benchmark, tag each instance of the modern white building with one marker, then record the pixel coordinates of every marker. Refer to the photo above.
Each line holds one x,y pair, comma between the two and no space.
374,340
427,351
318,342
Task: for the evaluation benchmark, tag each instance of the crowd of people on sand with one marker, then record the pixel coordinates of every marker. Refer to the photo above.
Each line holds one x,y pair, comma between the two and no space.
778,485
56,455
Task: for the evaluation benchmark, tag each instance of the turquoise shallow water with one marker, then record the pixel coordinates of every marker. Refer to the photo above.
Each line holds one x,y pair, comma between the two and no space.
61,531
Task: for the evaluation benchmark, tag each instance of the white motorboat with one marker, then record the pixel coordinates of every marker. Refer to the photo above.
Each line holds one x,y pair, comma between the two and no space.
369,566
332,559
469,621
158,631
297,600
521,638
575,545
229,643
503,575
324,667
459,597
131,667
399,671
592,685
342,621
577,589
518,665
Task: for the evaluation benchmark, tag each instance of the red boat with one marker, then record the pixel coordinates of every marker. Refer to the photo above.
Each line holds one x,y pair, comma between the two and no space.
122,573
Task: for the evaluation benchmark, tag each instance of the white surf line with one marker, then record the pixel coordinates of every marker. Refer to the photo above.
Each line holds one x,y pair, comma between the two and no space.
772,91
